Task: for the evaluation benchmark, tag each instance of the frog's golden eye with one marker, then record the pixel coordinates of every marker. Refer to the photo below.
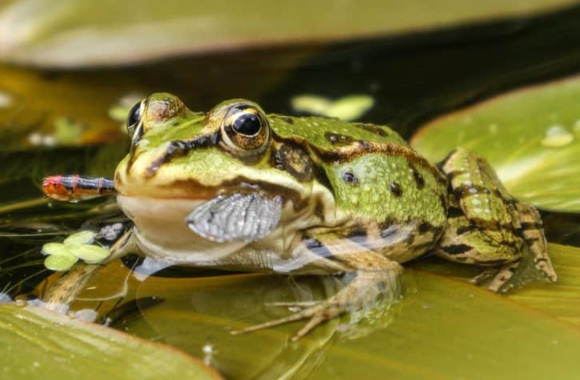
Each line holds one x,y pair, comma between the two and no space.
135,117
245,129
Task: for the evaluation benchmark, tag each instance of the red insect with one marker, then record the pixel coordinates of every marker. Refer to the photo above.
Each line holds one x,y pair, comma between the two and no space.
76,188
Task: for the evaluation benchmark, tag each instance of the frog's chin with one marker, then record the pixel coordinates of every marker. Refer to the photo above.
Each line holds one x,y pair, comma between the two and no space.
161,231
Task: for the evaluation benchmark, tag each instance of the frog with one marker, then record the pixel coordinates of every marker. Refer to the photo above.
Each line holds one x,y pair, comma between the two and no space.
238,189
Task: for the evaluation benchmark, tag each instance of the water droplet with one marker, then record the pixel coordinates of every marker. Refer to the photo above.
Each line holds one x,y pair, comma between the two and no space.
557,136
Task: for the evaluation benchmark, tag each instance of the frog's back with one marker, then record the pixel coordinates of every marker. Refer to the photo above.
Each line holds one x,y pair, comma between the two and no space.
382,184
330,134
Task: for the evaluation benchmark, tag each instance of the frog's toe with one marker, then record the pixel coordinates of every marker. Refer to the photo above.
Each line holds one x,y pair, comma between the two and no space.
317,315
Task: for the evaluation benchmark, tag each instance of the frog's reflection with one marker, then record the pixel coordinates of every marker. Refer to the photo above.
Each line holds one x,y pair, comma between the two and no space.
198,315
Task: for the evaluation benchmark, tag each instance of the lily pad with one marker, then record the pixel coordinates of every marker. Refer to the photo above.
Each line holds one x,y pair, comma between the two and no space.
75,33
37,343
531,137
559,300
443,328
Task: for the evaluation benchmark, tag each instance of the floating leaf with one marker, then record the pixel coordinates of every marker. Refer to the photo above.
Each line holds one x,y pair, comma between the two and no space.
531,137
347,108
60,262
56,249
559,300
442,329
350,107
90,254
312,104
82,237
73,33
39,344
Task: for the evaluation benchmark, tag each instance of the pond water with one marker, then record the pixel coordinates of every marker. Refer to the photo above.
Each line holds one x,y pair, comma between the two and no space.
442,328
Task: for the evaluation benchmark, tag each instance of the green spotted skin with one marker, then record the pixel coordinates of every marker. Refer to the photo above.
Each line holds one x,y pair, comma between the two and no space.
487,229
371,170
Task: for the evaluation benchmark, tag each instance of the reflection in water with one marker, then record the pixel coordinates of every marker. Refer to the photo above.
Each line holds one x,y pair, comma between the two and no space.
198,313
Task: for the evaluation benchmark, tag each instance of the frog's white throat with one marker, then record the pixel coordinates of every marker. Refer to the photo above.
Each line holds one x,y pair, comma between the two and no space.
162,234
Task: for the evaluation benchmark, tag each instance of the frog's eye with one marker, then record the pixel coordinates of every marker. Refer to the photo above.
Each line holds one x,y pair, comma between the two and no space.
135,117
245,129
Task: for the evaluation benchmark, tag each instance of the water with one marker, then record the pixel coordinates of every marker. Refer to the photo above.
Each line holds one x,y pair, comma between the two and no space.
410,79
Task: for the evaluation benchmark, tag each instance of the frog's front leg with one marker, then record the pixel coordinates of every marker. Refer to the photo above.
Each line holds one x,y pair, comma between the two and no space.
486,226
374,276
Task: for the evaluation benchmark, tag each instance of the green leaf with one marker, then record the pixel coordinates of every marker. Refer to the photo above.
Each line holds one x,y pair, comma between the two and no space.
561,300
56,249
531,137
312,104
73,33
80,238
443,328
350,107
60,262
40,344
90,254
347,108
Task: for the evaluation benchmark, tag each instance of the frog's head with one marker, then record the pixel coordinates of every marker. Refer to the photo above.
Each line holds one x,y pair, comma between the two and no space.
179,153
180,160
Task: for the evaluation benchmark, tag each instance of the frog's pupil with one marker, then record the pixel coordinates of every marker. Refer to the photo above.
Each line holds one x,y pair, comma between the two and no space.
247,124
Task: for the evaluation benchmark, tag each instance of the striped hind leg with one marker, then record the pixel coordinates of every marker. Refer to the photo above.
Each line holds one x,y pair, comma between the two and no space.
488,227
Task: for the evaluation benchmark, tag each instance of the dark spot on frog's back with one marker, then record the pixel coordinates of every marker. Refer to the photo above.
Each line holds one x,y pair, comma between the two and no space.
395,189
419,180
338,139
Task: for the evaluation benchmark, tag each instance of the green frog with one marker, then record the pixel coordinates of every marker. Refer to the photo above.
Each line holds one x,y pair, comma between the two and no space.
239,189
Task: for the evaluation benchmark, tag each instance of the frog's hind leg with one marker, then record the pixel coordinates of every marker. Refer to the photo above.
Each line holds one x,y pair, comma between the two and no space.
486,226
532,230
375,276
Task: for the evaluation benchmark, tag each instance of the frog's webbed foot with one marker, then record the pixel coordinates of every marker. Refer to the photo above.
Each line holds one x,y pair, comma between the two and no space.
495,277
